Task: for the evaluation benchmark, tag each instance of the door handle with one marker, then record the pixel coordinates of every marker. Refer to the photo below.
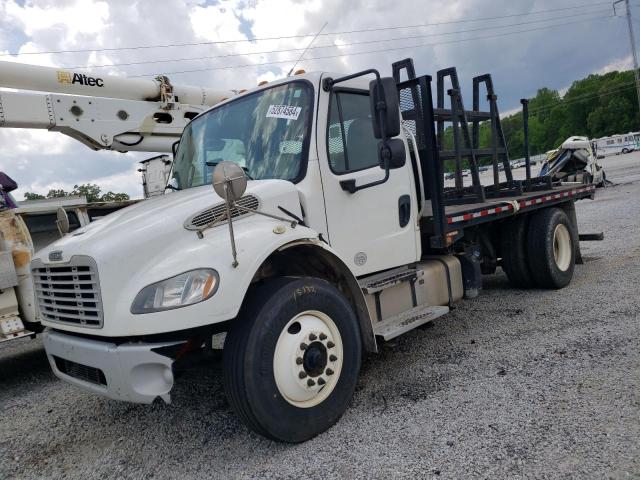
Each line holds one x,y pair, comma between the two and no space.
404,210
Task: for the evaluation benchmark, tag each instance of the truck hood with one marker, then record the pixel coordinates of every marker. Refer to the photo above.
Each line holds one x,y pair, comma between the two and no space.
147,243
146,221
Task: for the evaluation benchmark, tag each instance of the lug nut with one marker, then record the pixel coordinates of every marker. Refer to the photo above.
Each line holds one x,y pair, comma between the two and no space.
312,337
330,344
302,374
323,337
303,346
321,381
299,361
311,383
333,358
329,371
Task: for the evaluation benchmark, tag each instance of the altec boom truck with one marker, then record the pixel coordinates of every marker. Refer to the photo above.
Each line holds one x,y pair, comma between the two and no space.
104,113
331,230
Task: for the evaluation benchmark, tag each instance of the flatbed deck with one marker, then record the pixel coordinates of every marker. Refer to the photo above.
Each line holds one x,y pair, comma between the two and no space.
458,217
491,209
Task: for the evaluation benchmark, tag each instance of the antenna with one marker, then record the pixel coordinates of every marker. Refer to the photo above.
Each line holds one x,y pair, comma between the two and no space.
307,48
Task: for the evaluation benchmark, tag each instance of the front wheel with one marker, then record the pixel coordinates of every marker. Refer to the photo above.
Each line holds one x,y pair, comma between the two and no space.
291,362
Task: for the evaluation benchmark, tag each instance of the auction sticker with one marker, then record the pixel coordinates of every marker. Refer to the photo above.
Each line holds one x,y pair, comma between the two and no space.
284,111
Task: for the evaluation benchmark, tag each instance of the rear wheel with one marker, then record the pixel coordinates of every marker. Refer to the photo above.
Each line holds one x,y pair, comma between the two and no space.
514,253
292,362
551,248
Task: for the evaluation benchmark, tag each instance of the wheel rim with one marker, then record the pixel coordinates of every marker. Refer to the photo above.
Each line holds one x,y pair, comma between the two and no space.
562,247
308,359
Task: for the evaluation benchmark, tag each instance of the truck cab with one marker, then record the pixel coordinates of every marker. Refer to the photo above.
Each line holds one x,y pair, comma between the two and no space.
341,239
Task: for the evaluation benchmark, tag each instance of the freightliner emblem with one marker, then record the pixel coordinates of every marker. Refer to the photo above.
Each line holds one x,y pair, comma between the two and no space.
55,256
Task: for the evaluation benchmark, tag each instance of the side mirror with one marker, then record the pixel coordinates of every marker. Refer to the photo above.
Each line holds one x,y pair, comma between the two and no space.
393,155
384,99
174,148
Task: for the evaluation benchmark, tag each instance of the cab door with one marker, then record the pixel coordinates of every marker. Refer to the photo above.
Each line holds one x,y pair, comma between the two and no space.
374,228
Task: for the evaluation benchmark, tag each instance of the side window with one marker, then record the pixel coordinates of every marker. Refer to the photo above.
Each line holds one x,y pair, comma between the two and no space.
350,141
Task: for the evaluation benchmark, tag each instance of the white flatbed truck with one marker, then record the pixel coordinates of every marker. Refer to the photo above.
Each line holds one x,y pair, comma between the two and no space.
344,237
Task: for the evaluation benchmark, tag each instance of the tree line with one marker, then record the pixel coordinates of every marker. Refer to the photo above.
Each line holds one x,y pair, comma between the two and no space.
92,192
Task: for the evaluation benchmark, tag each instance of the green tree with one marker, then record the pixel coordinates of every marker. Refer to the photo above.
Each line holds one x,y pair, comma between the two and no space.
57,193
114,197
88,190
33,196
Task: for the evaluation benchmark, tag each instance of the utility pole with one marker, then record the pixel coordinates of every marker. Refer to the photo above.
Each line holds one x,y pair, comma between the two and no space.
632,39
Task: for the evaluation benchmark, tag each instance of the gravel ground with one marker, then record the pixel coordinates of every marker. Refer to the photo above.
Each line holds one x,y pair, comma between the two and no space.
541,384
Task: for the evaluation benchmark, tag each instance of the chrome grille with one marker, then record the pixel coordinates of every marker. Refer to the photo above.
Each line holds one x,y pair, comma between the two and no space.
219,212
69,293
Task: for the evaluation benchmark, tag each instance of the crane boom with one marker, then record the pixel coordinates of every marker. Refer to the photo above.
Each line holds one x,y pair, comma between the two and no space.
104,111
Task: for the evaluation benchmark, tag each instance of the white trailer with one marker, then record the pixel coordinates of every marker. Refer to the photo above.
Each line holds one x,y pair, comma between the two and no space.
617,144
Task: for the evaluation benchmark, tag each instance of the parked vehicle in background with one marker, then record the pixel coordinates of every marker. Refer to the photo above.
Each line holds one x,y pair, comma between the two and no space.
617,144
31,226
574,161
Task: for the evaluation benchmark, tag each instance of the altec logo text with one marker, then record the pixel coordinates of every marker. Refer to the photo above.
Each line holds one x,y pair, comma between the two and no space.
65,77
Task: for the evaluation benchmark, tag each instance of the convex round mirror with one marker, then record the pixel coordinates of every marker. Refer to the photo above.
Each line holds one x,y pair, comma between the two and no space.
229,181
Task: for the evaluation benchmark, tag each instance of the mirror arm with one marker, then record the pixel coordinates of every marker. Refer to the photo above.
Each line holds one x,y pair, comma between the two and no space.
351,187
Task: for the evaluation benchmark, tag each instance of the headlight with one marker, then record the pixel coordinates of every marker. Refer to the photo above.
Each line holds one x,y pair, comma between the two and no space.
175,292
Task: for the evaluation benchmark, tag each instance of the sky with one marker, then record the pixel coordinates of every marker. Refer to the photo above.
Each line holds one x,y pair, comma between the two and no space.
535,43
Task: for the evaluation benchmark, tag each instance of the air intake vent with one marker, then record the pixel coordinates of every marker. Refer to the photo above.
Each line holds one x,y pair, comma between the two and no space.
219,212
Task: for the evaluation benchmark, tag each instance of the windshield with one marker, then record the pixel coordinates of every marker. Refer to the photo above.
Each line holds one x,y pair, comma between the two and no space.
266,133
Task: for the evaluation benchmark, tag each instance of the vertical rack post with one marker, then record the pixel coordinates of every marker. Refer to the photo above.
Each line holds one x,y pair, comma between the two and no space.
525,127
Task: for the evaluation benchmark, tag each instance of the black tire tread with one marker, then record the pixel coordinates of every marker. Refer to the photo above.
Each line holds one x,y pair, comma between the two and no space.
541,267
235,346
514,253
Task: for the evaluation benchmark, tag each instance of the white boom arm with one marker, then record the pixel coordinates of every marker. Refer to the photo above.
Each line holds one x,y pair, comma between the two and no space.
103,112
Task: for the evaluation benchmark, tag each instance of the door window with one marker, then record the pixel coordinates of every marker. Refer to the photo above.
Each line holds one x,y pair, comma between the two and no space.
350,141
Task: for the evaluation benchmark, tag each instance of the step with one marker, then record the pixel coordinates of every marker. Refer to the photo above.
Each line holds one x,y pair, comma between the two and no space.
390,279
402,323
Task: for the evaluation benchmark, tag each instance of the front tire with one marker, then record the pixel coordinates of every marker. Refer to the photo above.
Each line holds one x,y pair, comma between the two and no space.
292,361
551,248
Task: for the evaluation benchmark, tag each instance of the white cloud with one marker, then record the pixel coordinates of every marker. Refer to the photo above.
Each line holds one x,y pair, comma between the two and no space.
520,63
617,64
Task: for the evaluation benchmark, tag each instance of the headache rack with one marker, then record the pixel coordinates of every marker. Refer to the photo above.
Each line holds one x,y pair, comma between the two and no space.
459,147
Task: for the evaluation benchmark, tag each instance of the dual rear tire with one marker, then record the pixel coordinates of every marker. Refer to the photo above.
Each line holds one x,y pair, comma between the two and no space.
539,250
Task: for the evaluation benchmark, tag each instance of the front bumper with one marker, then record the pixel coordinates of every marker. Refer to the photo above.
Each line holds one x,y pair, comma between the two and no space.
131,372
